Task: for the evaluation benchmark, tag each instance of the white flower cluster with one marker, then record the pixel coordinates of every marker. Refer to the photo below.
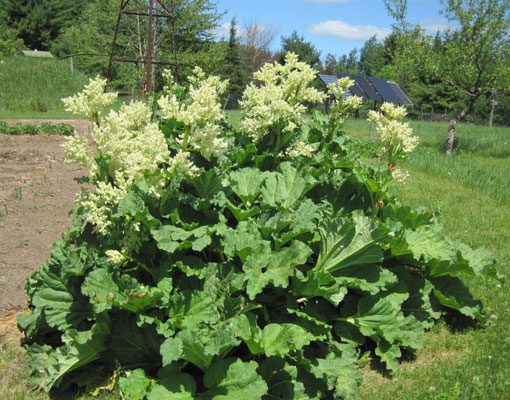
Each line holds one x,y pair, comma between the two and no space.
279,98
200,114
393,133
399,175
115,256
341,107
132,145
91,100
300,149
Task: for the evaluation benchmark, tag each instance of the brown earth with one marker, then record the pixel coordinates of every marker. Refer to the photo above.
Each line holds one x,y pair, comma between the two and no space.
36,193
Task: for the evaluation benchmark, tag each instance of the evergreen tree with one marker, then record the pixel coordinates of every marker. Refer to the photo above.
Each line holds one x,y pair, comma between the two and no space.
306,51
349,64
234,68
39,22
330,65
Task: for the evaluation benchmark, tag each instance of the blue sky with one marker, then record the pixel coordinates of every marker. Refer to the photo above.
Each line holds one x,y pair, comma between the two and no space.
333,26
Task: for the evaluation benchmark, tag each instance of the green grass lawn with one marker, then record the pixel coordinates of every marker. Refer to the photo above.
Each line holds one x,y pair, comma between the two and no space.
470,190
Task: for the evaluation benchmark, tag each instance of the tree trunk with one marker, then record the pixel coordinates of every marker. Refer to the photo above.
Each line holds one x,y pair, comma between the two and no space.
453,123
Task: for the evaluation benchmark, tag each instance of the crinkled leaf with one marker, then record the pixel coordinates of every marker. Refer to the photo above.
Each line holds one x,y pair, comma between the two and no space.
173,386
388,353
341,375
245,327
234,379
279,339
452,293
480,260
243,241
345,244
192,308
273,267
135,385
311,286
133,346
171,238
200,347
247,184
79,348
107,289
427,243
372,279
207,184
241,214
286,187
57,302
282,380
420,301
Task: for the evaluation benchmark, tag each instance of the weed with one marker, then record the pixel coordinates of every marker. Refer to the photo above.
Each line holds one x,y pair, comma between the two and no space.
17,194
42,193
5,206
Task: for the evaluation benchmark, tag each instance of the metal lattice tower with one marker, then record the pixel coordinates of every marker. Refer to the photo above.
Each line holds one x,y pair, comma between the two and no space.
152,12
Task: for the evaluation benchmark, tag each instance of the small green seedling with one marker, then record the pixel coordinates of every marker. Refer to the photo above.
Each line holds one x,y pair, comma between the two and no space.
17,190
5,206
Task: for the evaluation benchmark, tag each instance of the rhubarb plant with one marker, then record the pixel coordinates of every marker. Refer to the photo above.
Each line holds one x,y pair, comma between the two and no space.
214,263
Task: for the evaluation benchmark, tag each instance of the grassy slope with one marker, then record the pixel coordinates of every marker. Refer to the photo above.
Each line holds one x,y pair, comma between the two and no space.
471,191
29,84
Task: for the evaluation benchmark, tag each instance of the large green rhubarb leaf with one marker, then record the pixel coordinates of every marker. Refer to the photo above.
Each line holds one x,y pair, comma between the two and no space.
233,379
274,267
79,348
279,339
427,243
347,243
282,380
452,293
58,303
286,187
247,184
107,289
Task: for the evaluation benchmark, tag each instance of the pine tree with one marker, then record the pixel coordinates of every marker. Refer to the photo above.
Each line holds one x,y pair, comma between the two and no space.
234,68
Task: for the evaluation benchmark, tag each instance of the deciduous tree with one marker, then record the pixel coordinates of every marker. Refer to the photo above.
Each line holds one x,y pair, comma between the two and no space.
473,56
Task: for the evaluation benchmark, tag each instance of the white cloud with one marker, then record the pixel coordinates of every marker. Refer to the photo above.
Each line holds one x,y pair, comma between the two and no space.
433,25
346,31
223,31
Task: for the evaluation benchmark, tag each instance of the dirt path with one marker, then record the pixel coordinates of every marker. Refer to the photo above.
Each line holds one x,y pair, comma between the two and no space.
38,190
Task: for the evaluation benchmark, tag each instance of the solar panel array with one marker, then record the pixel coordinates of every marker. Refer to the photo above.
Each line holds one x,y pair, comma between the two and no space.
372,88
400,94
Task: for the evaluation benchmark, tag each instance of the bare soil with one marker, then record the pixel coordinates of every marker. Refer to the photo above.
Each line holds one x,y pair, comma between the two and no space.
37,191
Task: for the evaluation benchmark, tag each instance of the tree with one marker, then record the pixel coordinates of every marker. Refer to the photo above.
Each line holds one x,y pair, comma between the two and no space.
234,68
93,34
371,59
349,63
39,22
9,42
330,65
472,58
256,45
306,51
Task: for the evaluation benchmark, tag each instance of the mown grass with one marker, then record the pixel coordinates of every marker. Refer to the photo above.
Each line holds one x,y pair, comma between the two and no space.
471,192
468,190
